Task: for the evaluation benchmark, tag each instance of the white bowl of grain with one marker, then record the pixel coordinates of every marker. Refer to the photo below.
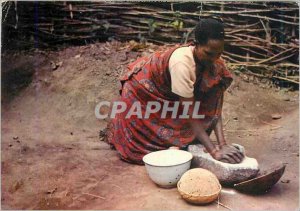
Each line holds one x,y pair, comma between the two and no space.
166,167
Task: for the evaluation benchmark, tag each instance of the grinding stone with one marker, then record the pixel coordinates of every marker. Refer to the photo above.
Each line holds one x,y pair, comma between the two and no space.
227,173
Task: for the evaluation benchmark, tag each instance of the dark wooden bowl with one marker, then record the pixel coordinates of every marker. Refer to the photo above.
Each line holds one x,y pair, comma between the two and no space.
262,182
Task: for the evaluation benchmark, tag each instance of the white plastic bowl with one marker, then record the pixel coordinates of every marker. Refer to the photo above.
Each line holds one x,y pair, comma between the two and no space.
166,167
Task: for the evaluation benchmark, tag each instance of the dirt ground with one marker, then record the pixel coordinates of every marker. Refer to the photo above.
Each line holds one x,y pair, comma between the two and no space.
52,157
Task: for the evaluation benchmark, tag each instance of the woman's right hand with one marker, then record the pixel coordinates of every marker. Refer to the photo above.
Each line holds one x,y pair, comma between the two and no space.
228,154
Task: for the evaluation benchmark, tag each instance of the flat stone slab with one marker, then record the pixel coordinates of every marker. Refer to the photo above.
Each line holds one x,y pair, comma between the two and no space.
227,173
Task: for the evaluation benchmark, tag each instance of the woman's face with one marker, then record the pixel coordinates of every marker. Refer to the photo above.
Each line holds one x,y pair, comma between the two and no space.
210,52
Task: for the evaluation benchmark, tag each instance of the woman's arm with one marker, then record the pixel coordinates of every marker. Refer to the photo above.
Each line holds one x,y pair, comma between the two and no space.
198,128
224,154
219,132
233,152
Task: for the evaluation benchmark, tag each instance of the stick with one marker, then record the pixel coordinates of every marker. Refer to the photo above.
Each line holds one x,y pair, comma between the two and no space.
116,186
238,12
268,18
286,16
223,205
257,75
240,130
275,128
187,35
226,123
286,79
279,45
288,65
270,124
234,60
283,58
277,55
247,49
242,57
249,43
100,197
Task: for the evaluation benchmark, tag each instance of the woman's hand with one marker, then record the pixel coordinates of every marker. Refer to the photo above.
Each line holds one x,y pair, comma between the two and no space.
228,154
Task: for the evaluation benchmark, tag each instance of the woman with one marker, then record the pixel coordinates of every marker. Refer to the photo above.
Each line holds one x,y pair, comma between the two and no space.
191,73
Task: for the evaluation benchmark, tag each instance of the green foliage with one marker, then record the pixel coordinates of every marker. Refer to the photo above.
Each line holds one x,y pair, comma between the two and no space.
106,26
152,26
177,23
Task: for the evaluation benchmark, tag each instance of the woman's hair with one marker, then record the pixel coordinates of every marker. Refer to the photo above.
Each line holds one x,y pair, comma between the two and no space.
208,29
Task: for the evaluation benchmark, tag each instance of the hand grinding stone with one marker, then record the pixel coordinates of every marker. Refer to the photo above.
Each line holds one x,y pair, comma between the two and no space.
227,173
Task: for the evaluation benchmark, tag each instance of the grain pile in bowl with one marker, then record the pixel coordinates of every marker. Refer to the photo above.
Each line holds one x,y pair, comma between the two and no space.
199,186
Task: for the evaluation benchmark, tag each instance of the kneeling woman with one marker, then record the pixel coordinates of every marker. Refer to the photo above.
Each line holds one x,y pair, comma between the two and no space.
186,74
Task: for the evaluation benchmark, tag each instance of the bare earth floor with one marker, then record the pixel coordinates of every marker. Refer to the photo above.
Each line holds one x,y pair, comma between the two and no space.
51,156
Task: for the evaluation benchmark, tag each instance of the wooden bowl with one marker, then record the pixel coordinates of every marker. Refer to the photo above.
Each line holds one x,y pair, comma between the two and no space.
263,182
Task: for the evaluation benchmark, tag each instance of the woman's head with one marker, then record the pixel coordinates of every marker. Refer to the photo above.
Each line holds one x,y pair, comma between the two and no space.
209,39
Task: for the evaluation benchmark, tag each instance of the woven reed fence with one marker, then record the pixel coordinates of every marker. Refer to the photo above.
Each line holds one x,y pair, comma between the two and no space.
261,36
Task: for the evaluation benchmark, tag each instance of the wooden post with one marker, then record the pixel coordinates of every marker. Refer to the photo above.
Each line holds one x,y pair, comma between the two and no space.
17,18
247,53
293,27
71,12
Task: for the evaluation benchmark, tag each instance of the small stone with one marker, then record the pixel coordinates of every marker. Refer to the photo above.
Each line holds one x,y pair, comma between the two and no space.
53,65
285,181
235,118
15,137
59,64
77,56
286,98
245,78
236,72
51,191
276,116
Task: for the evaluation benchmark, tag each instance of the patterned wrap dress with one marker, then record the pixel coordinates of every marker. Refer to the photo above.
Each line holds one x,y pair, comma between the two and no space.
148,79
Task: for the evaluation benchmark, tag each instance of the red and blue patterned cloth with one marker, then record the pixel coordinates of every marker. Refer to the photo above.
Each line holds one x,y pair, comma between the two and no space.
148,79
